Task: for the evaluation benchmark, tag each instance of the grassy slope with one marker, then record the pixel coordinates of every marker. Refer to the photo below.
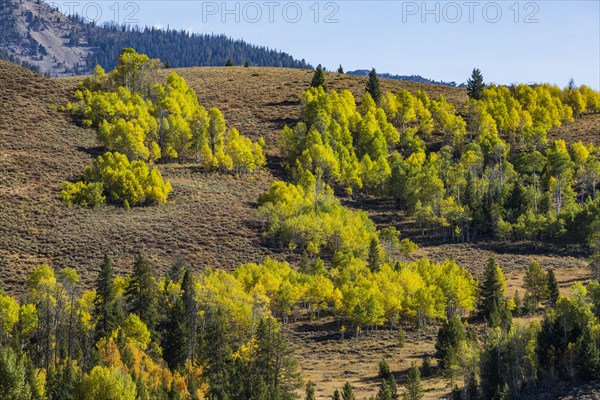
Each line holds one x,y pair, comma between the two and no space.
210,220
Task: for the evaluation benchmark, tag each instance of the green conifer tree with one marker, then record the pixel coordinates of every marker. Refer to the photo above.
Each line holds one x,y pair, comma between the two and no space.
13,379
553,290
336,395
373,86
310,391
107,310
384,392
413,385
374,256
141,294
191,313
588,355
493,304
475,85
319,78
450,336
347,392
426,366
175,342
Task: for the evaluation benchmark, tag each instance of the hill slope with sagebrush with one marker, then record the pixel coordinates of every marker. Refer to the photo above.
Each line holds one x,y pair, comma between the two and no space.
210,219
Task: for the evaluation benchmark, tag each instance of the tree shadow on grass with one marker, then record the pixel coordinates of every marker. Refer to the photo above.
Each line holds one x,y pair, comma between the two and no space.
92,151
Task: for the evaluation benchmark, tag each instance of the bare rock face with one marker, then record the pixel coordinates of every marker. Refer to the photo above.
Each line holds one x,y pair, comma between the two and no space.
33,32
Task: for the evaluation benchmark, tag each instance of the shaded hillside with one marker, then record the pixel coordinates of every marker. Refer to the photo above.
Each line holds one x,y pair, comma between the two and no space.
211,219
40,37
178,48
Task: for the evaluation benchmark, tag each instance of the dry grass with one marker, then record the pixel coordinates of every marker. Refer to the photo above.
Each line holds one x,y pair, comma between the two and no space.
210,220
330,361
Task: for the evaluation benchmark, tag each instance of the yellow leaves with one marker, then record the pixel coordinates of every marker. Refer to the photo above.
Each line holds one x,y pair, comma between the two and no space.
136,331
222,289
243,155
374,174
579,153
108,383
246,351
9,314
28,319
83,194
334,135
133,182
417,159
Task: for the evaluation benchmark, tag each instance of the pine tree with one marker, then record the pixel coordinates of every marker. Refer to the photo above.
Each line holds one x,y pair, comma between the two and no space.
107,310
246,64
13,379
310,391
384,370
31,379
401,337
216,353
518,303
347,393
426,366
475,85
491,374
553,290
384,392
587,355
175,342
340,70
319,78
229,63
471,385
450,336
413,385
336,395
141,294
374,257
191,313
274,363
373,86
492,300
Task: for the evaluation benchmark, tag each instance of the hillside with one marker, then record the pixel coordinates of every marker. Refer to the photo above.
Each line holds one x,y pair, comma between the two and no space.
37,35
210,219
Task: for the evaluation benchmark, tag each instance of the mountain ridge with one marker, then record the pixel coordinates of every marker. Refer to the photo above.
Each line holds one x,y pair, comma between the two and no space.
408,78
41,38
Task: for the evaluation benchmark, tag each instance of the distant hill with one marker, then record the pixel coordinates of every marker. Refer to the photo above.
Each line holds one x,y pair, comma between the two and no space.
41,38
410,78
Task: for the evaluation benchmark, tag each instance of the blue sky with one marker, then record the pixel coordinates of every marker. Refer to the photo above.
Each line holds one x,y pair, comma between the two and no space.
510,41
